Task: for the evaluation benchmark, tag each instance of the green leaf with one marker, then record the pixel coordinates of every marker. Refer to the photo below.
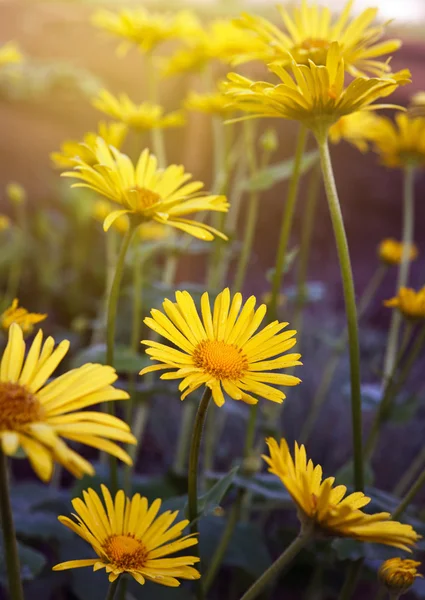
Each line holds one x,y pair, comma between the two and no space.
266,178
212,499
265,486
125,360
32,562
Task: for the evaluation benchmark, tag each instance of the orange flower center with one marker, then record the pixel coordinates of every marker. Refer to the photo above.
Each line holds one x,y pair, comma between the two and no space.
145,198
125,552
18,407
315,44
314,49
221,360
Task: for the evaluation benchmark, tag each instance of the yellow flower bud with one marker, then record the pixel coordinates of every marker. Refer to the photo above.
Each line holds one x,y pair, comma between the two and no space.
4,223
269,140
16,193
390,251
398,574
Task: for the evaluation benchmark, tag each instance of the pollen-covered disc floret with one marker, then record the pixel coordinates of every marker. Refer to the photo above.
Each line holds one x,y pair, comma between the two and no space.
39,416
222,350
327,508
398,574
128,536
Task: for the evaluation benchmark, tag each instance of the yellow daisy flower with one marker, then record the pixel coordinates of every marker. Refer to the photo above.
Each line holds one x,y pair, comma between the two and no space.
10,54
147,193
185,60
141,117
221,351
21,316
325,507
147,231
144,29
15,193
214,103
113,134
309,32
5,223
398,574
315,95
38,416
400,143
390,251
409,302
354,129
128,536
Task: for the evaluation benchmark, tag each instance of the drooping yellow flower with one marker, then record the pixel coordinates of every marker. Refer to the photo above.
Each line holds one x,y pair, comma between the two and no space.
144,29
309,32
214,103
314,95
15,193
140,117
128,536
390,251
21,316
113,134
5,223
398,574
147,193
39,416
409,302
222,351
149,231
10,54
327,508
354,129
400,143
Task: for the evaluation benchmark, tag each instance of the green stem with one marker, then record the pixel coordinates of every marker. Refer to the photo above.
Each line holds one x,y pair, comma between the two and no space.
410,474
403,273
350,307
189,409
286,226
112,589
9,536
351,579
110,332
277,567
17,263
410,496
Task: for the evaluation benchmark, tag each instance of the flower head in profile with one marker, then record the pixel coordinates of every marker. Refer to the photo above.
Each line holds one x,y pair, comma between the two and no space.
214,103
147,193
129,536
10,54
145,29
314,95
400,143
222,350
18,314
149,231
390,252
113,134
140,117
39,416
327,508
409,302
5,223
354,129
398,575
310,30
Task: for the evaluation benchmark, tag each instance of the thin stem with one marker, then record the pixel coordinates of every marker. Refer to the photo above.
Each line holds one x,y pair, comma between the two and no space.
351,579
112,589
9,536
189,409
410,474
277,567
403,273
350,308
410,496
286,226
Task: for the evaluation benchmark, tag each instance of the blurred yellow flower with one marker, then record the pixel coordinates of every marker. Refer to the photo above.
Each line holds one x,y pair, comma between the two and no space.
400,143
149,231
38,416
140,117
129,536
145,29
390,251
398,575
16,193
147,193
354,129
113,134
221,351
10,54
21,316
315,95
5,223
410,303
309,32
324,506
214,103
417,104
185,60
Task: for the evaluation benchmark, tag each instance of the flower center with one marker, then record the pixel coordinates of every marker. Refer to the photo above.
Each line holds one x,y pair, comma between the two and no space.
314,49
145,198
18,407
125,551
223,361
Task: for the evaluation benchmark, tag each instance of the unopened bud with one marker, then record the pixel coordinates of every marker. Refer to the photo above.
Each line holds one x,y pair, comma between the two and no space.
269,141
251,465
16,193
397,575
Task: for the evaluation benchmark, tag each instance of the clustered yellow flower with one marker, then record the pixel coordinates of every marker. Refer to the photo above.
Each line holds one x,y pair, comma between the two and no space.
400,143
398,574
21,316
325,510
409,302
129,536
390,252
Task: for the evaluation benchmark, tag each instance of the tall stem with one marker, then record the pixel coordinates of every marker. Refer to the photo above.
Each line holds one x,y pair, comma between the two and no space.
403,273
351,579
112,589
410,496
9,536
409,475
277,567
286,226
350,307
